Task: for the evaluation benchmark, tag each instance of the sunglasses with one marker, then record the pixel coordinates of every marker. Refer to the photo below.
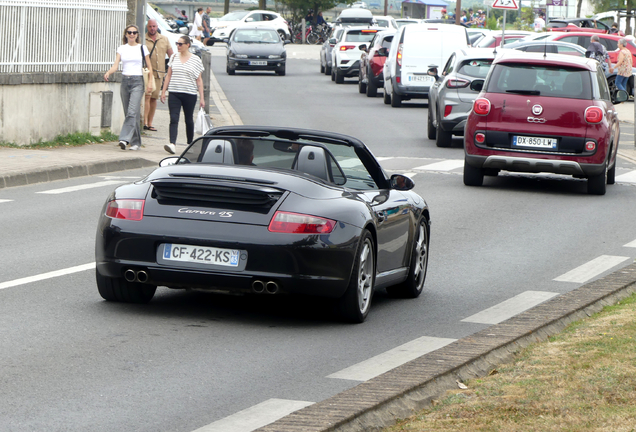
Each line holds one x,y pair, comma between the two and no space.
180,43
132,32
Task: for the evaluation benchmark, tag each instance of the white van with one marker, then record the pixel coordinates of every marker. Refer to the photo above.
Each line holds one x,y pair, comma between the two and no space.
415,49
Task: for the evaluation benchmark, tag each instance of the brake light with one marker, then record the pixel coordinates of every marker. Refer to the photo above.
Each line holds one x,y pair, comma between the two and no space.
457,83
296,223
369,31
125,209
447,110
346,47
399,55
593,114
481,106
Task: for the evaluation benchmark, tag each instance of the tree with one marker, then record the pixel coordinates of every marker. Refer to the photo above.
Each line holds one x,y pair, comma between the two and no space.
298,8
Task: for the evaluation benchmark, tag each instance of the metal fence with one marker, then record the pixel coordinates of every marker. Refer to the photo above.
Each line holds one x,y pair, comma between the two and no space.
60,35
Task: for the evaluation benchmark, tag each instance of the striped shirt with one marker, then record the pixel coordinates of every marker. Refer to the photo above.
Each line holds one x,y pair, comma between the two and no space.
184,75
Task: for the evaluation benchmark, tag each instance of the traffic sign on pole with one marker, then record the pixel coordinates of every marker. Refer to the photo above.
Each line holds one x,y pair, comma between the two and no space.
505,4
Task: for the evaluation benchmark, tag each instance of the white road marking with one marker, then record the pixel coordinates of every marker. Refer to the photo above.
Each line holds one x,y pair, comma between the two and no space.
49,275
511,307
256,416
391,359
445,165
410,174
381,159
120,177
630,244
629,177
83,187
5,200
591,269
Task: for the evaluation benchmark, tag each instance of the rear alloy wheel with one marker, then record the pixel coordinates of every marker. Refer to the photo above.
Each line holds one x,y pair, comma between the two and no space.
431,132
414,284
372,89
362,86
473,176
282,35
443,139
396,100
596,185
120,290
611,82
339,77
354,305
387,97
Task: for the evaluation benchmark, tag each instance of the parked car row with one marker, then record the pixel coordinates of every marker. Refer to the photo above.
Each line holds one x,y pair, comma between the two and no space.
540,107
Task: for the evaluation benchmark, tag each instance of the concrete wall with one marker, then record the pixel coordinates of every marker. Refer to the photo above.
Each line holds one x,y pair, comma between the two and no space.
39,107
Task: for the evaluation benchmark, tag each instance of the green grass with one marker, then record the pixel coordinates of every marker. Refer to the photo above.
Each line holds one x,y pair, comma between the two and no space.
70,140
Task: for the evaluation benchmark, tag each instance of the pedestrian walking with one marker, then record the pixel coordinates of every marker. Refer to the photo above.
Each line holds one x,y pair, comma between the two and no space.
207,31
159,47
597,51
197,28
623,65
131,55
183,82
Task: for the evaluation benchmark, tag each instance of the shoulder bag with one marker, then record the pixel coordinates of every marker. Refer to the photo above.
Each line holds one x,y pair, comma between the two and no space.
146,73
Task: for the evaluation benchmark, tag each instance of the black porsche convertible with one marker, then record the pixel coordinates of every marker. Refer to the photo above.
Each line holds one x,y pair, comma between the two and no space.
265,211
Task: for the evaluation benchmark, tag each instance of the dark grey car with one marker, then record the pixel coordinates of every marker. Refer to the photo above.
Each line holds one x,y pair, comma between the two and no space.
256,48
450,98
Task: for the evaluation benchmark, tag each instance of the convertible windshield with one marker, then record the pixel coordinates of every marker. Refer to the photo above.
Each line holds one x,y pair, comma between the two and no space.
233,16
256,36
334,163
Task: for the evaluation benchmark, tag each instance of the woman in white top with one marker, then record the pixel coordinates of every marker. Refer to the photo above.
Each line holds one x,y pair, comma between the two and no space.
131,55
183,82
197,28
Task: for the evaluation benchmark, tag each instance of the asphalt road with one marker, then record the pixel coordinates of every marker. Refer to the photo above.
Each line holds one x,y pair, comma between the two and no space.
70,361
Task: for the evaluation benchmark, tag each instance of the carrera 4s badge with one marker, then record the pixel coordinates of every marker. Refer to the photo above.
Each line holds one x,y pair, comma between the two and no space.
225,214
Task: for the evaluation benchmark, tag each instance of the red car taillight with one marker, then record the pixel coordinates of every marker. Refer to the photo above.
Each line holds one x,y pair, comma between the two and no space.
346,47
480,137
481,106
590,146
593,114
447,110
128,209
457,83
399,55
296,223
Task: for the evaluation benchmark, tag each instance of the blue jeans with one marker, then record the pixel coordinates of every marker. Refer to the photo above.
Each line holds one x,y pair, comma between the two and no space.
621,82
132,91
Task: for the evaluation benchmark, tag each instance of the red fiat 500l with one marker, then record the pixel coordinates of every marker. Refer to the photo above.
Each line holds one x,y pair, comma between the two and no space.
539,113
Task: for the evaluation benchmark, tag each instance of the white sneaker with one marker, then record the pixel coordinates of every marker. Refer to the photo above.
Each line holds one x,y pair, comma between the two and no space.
134,148
122,145
170,148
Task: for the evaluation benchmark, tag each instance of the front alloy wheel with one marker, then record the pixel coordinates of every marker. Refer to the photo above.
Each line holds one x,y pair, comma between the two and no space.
414,284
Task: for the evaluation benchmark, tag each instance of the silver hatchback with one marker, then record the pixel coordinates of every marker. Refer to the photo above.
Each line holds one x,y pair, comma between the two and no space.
450,98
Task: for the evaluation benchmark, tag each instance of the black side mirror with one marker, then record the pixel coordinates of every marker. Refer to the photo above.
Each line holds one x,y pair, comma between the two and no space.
401,182
383,52
363,47
620,96
477,85
333,41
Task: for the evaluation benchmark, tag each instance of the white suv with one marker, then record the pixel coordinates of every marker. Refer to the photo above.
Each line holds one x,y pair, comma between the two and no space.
345,56
224,26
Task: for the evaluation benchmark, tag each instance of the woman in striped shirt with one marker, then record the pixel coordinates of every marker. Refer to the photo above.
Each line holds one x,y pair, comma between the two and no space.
183,81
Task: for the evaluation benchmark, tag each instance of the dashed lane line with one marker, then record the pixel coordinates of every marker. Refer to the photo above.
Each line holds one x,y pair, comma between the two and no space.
591,269
511,307
391,359
444,165
82,187
5,200
49,275
255,416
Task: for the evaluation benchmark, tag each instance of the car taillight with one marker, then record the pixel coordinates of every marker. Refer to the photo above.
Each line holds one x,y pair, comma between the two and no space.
481,106
590,146
128,209
399,55
296,223
480,137
447,110
593,114
346,47
457,83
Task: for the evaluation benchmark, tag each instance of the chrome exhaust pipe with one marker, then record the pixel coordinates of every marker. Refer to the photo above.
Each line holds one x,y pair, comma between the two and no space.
130,275
271,287
258,286
142,276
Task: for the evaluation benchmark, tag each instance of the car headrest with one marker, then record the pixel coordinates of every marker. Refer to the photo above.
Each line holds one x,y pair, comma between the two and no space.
217,151
314,161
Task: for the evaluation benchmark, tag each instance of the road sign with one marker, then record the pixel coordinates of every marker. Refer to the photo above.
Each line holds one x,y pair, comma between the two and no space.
505,4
